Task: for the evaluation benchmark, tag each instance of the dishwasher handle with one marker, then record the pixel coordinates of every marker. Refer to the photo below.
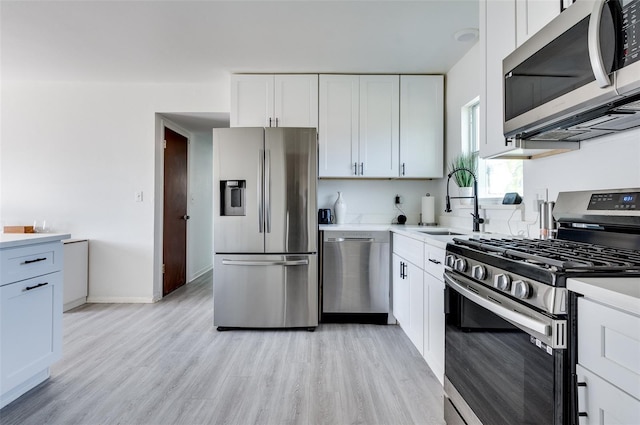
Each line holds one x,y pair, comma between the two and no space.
350,240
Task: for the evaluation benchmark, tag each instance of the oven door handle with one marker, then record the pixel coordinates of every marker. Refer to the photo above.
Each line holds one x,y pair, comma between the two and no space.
524,322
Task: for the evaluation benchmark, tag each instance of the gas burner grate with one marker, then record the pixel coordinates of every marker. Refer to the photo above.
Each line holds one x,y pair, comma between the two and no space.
558,254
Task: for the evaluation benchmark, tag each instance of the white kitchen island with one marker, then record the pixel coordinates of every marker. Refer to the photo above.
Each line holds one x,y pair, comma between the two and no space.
30,310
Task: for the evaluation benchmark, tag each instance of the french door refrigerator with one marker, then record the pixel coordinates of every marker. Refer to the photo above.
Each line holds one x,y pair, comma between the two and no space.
265,271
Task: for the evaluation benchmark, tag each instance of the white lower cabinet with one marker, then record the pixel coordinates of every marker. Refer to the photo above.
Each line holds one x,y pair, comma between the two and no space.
601,403
608,364
418,297
415,276
400,292
30,318
434,324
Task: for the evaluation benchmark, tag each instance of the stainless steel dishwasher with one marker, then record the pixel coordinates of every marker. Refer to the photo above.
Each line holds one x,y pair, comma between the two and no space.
355,277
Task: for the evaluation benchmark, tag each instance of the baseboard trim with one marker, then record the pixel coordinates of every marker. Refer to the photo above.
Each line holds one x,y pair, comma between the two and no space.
200,273
120,300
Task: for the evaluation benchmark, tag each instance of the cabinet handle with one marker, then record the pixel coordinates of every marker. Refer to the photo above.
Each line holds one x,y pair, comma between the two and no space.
33,261
269,121
434,261
277,125
29,288
355,168
362,168
401,270
403,168
581,414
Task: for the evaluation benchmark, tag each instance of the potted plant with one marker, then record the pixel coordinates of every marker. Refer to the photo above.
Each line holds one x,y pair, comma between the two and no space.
464,180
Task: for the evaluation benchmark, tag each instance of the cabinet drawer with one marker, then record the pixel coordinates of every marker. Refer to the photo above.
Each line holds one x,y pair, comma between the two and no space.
604,403
434,261
30,261
30,328
609,344
410,249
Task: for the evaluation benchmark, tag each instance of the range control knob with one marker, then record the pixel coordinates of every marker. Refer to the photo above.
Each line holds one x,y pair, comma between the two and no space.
521,289
502,282
479,272
449,260
460,265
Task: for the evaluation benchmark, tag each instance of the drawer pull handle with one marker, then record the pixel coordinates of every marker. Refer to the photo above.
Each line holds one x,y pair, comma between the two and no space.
29,288
434,261
34,261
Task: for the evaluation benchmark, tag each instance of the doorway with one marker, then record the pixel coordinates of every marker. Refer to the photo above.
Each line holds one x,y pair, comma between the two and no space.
175,215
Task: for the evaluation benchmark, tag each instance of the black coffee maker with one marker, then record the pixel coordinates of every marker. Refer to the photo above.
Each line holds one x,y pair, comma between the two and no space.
324,216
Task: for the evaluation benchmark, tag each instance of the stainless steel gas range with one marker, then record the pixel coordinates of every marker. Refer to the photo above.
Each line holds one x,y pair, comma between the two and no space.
510,340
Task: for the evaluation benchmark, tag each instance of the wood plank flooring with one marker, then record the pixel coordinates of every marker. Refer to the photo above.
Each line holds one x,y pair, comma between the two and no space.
165,363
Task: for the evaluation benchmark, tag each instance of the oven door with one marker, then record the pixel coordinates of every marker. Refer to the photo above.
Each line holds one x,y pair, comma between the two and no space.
501,366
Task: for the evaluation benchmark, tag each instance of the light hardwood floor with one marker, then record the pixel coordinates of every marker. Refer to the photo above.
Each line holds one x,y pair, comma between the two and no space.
165,363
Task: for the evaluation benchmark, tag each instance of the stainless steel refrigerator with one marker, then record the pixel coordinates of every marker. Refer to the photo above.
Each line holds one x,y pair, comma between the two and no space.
265,271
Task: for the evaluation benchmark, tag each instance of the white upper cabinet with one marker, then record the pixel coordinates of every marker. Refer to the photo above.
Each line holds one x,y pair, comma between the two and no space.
379,125
421,126
274,100
497,40
359,125
338,131
532,15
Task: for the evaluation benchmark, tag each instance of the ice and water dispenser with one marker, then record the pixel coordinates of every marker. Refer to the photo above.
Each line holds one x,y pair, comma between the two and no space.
233,197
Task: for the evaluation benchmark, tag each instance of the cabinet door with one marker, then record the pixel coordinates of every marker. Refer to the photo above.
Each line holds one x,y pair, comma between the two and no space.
252,100
296,100
338,125
497,40
415,276
30,328
379,125
434,324
603,402
400,293
532,15
421,126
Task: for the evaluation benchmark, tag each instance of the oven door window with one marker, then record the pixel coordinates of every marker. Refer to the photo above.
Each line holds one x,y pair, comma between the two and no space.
497,368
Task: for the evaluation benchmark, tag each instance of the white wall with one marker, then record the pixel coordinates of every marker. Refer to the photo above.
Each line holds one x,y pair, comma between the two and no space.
76,153
373,201
200,226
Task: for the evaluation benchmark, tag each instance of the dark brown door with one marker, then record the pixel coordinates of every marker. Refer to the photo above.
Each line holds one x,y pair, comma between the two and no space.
174,251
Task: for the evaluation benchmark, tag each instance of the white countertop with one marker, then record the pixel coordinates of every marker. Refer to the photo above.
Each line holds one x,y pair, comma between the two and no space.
10,240
411,230
620,292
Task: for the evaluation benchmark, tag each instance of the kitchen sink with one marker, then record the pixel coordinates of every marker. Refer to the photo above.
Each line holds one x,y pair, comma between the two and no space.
436,232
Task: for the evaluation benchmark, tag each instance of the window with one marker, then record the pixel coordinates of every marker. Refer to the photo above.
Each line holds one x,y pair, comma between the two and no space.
495,176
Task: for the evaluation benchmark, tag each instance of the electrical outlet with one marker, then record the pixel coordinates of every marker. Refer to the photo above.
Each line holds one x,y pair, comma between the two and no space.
398,200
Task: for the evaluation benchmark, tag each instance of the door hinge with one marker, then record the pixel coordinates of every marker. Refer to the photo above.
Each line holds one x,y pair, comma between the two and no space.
164,144
163,269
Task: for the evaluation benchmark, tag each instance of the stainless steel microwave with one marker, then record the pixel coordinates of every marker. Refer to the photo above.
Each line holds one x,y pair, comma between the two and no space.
577,78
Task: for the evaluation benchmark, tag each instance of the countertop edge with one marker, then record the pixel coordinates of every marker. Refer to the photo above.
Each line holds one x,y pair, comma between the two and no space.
12,240
621,293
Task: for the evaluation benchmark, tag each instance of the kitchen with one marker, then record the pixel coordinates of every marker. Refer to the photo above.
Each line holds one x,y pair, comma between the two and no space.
117,117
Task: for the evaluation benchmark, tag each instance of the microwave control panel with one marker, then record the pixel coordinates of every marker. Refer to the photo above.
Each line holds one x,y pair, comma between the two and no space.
631,31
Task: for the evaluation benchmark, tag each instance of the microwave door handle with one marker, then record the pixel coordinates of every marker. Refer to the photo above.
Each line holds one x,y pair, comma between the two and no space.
595,53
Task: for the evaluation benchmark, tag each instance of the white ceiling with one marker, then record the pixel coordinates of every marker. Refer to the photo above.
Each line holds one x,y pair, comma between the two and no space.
199,41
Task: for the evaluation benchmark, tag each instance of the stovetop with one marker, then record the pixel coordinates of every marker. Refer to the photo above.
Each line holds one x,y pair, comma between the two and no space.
557,255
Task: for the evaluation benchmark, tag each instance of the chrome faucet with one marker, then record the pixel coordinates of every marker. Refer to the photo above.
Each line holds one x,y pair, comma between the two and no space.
476,215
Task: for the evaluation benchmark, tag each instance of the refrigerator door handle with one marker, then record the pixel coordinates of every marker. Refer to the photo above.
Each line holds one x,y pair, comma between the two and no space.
304,262
267,190
260,192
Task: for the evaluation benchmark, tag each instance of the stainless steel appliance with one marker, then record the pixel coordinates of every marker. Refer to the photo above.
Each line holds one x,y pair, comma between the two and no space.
265,228
324,216
577,78
510,321
355,276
